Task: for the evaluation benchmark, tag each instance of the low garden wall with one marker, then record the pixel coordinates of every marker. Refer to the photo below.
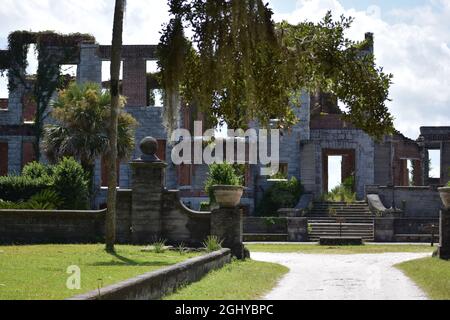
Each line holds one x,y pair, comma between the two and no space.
178,224
416,201
60,227
293,229
405,229
155,285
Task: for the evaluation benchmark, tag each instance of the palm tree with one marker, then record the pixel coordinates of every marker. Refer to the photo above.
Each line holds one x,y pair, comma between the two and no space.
81,130
116,54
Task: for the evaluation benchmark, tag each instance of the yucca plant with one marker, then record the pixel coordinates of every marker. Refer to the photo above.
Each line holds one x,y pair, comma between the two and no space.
212,244
181,248
159,246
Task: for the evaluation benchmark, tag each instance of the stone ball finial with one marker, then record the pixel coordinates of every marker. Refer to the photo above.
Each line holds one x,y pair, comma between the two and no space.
149,148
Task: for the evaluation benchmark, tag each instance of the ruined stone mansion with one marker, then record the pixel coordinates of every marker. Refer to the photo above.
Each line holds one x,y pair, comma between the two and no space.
305,149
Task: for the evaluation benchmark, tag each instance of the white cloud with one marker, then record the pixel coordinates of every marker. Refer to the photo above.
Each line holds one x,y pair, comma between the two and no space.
411,44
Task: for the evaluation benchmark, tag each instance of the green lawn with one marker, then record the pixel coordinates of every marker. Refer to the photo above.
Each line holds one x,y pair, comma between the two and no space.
431,274
39,272
241,280
316,249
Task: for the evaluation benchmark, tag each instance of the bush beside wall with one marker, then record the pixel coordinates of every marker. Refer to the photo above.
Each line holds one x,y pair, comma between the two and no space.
67,180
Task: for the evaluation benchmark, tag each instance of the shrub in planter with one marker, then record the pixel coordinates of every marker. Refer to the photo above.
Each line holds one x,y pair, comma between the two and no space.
71,185
221,175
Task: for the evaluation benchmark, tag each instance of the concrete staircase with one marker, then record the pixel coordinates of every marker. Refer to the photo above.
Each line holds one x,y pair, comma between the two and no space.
329,219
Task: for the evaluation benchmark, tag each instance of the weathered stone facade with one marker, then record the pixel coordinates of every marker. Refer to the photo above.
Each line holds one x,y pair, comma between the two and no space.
303,150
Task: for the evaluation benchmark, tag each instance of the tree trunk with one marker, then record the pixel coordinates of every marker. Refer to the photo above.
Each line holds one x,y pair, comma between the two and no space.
116,55
89,169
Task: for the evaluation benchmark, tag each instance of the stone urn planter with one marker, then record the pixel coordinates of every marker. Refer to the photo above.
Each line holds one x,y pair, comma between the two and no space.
228,196
445,196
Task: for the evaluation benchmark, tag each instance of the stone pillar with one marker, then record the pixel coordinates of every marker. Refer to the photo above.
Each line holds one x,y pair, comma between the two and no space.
445,162
135,81
90,67
384,229
297,229
444,248
147,188
227,225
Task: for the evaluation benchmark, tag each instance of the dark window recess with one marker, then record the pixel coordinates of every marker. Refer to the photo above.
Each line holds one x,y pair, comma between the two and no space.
4,104
3,159
28,153
161,154
29,108
185,175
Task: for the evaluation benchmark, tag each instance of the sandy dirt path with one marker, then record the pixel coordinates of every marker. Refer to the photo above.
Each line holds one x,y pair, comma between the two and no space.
343,277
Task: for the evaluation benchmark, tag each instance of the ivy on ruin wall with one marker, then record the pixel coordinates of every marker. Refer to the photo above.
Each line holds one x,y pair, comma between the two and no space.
53,50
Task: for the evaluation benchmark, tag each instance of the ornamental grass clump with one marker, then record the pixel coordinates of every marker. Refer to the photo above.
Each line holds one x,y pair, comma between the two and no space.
212,244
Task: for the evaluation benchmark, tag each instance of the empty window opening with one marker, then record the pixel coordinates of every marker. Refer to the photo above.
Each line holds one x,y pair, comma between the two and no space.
339,169
334,172
435,164
68,74
411,173
155,97
32,59
3,88
106,75
29,108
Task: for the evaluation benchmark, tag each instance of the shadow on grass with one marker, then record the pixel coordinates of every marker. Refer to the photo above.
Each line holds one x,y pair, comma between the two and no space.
124,261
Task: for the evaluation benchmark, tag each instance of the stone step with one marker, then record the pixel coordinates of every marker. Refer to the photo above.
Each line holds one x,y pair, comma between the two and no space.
347,220
359,227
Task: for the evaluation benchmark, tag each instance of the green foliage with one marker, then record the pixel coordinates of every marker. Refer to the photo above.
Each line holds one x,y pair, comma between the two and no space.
40,187
349,183
212,244
343,193
70,183
240,66
37,170
279,176
181,248
48,76
340,194
44,200
83,115
320,57
283,194
159,246
205,206
21,188
221,174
